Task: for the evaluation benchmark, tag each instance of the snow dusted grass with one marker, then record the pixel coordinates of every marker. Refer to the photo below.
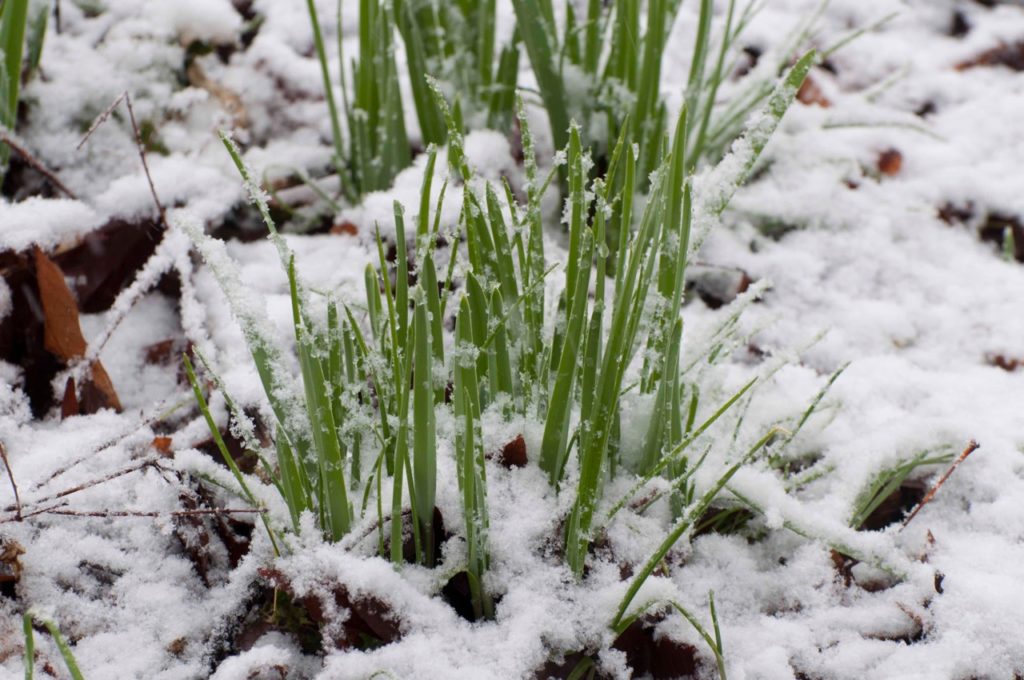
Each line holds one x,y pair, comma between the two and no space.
915,305
452,43
510,356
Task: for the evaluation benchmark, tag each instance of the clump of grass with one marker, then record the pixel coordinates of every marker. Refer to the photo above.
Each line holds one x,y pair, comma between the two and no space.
366,409
617,88
451,42
377,146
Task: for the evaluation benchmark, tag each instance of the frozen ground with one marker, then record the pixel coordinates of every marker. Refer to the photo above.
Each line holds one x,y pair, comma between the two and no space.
859,265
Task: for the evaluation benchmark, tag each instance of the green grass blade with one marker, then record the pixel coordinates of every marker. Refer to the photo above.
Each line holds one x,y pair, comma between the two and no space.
749,148
502,98
538,33
224,452
479,304
13,22
696,148
424,457
650,68
13,19
577,216
695,83
469,460
35,38
503,257
65,650
401,274
334,503
715,643
499,359
556,425
423,220
325,74
413,30
693,513
30,646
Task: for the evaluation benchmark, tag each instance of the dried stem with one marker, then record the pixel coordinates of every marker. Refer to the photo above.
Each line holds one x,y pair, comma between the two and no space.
145,165
971,447
37,164
143,513
155,414
90,484
102,118
14,485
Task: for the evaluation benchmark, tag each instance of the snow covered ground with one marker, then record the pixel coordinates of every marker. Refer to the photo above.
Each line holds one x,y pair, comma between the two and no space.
865,227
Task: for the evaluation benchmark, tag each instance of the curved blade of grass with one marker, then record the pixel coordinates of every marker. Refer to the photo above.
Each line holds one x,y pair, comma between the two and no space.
278,384
729,176
673,455
65,650
715,643
693,513
225,453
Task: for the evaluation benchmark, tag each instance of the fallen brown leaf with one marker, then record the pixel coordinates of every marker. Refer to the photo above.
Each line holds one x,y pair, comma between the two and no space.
890,162
69,404
345,227
513,454
810,94
1010,56
62,336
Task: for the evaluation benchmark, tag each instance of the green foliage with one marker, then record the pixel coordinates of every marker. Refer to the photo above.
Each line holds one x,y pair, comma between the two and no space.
311,454
715,643
390,370
218,439
13,22
616,89
888,480
453,43
58,639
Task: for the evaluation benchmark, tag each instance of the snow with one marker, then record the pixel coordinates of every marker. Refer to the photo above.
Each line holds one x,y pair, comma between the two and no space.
46,223
865,274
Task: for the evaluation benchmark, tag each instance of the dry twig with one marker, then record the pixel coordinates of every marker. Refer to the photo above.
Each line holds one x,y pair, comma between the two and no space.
14,485
28,157
59,510
102,118
971,447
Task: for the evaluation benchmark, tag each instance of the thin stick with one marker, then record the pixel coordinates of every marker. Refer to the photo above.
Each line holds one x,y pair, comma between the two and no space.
148,513
37,164
971,447
10,474
90,484
155,414
100,119
145,165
